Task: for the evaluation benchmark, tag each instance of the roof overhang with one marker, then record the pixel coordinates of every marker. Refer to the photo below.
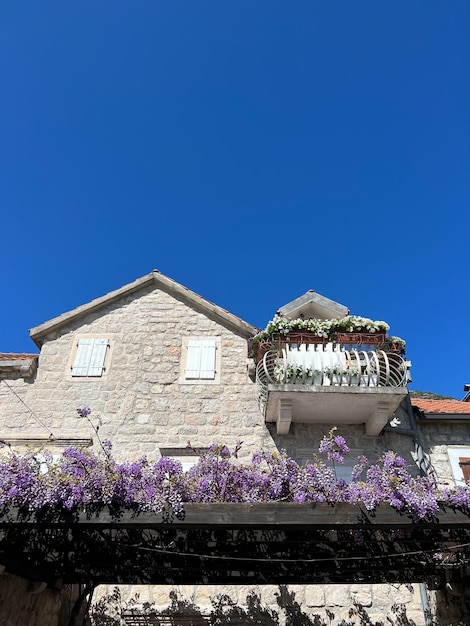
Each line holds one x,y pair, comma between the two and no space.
444,417
154,279
18,365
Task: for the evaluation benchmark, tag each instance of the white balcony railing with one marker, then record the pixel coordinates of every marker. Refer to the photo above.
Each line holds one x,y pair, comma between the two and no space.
326,366
334,368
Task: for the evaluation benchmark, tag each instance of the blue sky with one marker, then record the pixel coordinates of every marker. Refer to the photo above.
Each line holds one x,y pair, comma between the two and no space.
249,150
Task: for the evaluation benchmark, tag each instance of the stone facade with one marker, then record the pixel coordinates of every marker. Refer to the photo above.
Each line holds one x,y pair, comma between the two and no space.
338,605
26,603
440,439
139,402
143,403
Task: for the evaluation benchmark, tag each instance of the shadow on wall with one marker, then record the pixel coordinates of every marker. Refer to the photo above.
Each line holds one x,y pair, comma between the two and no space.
111,610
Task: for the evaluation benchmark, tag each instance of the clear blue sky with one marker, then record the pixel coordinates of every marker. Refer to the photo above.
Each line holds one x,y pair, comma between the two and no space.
250,150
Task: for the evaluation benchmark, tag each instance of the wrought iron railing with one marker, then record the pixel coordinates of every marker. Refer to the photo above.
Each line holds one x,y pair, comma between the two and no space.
326,365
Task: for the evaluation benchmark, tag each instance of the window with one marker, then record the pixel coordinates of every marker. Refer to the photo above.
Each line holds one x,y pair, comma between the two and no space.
188,457
89,357
45,460
201,360
460,463
464,463
342,471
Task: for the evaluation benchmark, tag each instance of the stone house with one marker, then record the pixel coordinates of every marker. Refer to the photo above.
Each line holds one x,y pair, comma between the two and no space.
160,366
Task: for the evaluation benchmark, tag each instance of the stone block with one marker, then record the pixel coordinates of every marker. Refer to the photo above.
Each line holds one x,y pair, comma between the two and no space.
361,594
337,595
314,595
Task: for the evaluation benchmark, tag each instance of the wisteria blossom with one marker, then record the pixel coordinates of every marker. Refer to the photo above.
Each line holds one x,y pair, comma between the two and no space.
83,480
334,446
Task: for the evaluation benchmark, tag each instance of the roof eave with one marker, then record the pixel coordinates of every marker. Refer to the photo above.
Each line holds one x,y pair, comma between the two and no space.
25,367
444,417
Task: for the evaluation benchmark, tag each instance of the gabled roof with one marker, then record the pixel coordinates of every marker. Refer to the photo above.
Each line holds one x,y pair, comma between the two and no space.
312,304
436,409
158,280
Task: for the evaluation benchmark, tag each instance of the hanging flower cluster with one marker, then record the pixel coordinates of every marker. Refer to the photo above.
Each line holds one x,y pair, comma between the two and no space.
325,329
82,480
286,372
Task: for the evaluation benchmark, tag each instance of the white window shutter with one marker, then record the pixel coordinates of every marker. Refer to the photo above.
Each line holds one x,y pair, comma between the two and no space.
193,359
82,358
98,355
207,359
89,360
200,359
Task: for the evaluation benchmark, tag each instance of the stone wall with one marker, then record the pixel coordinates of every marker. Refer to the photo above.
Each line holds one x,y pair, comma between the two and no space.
438,438
14,414
321,605
140,402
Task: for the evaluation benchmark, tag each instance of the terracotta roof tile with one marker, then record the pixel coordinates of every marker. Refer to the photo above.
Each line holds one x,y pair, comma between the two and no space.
11,356
450,407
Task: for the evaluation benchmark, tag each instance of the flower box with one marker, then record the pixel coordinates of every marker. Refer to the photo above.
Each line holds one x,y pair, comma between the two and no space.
299,337
358,338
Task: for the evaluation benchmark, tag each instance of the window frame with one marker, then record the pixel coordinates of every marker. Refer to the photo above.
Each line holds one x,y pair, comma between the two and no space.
105,362
186,341
305,455
455,453
188,457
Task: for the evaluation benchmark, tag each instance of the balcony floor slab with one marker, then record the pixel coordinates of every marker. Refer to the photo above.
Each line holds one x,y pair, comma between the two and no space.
372,406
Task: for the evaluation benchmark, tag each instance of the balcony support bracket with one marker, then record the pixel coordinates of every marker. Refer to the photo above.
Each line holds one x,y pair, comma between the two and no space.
284,419
379,419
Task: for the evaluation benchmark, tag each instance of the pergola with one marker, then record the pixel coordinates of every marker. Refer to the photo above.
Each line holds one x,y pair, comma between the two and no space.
219,544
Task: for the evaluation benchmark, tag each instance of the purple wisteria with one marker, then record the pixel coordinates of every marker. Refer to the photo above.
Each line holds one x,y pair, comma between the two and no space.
83,480
334,446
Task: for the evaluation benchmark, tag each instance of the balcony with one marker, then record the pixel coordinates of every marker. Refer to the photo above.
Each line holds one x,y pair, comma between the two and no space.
353,378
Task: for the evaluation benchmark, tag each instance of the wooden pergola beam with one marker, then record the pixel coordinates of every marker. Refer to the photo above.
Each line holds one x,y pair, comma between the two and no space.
223,543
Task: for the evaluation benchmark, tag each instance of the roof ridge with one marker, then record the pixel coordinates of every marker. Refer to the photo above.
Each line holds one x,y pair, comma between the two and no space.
38,333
